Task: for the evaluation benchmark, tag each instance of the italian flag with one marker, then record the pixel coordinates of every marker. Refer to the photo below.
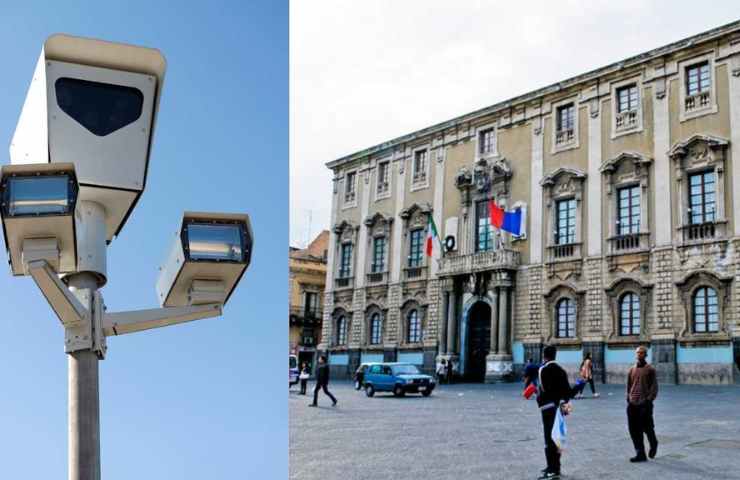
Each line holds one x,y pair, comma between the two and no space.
431,235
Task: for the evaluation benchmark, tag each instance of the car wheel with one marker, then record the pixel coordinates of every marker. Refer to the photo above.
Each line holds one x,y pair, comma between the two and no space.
398,391
369,390
426,393
357,385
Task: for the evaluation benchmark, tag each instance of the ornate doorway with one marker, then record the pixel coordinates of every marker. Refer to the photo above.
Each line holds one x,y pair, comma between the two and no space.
478,342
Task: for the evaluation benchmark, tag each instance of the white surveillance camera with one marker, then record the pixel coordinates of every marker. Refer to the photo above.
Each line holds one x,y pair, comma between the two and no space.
38,206
94,104
210,254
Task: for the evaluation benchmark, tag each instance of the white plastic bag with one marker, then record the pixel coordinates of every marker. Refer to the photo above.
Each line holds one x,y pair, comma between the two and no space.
559,430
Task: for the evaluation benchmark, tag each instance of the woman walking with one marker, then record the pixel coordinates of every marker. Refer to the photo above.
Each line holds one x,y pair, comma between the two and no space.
587,376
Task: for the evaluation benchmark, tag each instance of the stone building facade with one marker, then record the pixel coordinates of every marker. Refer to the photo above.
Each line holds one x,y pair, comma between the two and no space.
626,179
307,274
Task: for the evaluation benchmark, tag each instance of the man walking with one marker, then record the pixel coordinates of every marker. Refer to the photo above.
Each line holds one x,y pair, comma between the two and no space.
322,381
554,392
642,389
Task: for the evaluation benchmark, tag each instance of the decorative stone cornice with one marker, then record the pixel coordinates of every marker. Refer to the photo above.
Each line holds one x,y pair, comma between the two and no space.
681,149
551,179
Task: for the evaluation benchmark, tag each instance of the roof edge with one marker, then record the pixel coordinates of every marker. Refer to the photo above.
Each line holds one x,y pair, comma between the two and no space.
702,37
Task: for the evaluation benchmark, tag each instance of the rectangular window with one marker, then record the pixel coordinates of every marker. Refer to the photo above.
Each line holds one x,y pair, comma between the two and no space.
628,210
483,227
702,198
383,183
627,99
420,166
345,260
486,141
311,303
566,222
349,187
416,246
698,78
566,117
378,255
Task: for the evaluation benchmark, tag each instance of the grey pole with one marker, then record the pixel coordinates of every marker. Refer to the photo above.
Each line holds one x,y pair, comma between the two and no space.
84,401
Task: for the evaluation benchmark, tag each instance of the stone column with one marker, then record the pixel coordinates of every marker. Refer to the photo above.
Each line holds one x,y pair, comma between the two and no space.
503,324
499,366
451,324
444,326
494,322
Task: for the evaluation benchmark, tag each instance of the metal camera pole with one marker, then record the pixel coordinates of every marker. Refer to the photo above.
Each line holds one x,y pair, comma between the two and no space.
83,380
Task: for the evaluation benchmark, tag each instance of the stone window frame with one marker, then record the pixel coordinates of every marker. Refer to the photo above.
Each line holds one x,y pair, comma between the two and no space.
346,234
575,143
614,293
699,153
387,192
683,66
424,182
615,86
335,317
353,203
369,312
421,311
489,178
414,217
563,184
687,287
478,133
552,298
639,174
378,225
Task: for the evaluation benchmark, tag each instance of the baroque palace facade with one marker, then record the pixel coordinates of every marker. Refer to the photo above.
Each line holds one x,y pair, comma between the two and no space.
629,181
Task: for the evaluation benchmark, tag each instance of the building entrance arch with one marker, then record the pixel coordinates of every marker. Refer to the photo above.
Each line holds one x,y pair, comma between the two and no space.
478,342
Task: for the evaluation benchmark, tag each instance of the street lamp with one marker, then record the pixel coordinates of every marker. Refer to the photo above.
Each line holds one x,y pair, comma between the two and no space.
79,160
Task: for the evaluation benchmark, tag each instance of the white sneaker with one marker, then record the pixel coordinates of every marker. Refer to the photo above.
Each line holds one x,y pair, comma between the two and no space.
596,395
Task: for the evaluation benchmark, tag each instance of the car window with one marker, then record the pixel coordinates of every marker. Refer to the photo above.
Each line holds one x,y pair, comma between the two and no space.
386,370
406,370
375,369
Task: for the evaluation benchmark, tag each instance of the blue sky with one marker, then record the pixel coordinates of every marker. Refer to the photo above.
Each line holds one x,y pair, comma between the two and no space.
200,400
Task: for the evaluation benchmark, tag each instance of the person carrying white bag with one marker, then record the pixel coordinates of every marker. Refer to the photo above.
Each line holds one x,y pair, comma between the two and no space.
552,397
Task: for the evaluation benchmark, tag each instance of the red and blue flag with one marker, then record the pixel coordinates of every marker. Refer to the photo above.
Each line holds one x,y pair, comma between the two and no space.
508,221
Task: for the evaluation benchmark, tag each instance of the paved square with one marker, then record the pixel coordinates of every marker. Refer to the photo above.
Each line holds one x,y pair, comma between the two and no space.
491,432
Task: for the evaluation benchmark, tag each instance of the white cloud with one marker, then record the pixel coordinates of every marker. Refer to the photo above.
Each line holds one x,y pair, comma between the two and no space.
364,72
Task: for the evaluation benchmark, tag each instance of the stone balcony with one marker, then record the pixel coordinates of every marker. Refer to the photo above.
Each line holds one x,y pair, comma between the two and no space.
501,259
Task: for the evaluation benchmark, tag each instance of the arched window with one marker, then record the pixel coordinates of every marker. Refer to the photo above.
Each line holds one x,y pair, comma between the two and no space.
705,314
629,314
341,330
375,336
565,315
413,334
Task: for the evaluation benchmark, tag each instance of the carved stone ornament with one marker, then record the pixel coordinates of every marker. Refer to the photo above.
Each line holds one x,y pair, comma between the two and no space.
463,179
345,231
416,215
378,224
699,151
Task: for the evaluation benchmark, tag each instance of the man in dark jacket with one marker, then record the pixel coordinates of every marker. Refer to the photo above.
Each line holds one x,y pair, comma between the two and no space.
553,393
322,381
642,389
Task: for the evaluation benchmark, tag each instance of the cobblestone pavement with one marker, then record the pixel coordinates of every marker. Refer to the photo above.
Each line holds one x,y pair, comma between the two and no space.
490,432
